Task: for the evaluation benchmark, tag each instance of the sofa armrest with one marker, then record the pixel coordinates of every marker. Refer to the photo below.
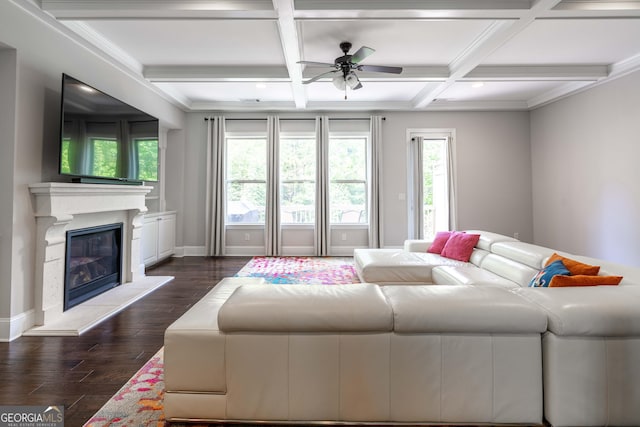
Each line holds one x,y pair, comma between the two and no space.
417,245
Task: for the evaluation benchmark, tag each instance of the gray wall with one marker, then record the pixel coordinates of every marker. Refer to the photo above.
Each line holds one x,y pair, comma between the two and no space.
585,152
493,170
493,173
42,55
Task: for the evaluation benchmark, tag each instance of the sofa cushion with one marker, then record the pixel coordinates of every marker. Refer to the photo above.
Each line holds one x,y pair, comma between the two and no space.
488,238
584,280
395,266
306,308
460,246
509,269
588,311
469,275
546,275
525,253
462,309
574,266
441,239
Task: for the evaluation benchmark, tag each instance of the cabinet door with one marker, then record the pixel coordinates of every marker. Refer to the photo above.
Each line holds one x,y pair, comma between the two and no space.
166,236
150,241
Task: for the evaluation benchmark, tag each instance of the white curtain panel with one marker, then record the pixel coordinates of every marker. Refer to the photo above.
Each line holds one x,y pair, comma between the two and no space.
416,222
273,243
322,187
215,192
375,183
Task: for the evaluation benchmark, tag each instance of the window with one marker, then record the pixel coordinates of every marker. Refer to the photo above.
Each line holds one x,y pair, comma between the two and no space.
246,180
430,183
297,180
348,180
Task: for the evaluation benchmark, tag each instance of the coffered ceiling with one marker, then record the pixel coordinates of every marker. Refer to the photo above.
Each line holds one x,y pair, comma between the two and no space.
456,54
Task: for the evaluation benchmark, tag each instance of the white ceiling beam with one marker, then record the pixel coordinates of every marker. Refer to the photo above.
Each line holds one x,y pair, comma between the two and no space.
291,49
159,9
215,73
556,93
495,36
426,73
537,72
411,9
243,106
606,5
448,105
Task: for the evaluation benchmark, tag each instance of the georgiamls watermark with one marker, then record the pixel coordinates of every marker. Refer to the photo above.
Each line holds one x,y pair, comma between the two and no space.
32,416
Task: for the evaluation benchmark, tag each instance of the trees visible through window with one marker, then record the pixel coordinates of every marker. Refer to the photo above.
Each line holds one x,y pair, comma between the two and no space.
297,180
246,169
246,180
348,180
436,204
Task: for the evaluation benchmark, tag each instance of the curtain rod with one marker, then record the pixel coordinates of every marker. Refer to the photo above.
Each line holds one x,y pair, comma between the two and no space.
297,118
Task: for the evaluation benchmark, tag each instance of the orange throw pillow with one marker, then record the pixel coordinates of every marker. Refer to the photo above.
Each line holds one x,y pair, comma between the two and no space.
583,280
575,267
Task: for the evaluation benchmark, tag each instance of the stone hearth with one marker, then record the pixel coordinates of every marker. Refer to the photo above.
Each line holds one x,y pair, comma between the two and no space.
60,207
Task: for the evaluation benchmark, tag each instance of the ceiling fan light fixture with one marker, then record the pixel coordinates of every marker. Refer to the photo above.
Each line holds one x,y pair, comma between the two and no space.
339,82
352,80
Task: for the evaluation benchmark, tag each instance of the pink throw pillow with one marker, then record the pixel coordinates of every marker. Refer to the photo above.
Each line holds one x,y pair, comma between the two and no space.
460,246
439,241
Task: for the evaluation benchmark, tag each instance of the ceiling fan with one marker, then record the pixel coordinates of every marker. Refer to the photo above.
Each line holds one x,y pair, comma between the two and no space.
345,67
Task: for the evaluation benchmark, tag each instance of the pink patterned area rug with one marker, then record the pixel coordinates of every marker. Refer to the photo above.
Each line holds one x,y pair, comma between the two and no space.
310,270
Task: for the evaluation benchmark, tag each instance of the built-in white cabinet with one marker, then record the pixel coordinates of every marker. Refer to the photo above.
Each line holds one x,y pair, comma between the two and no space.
158,237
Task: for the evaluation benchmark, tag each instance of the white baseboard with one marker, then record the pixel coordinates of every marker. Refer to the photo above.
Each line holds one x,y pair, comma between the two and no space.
244,251
298,251
191,251
13,327
343,250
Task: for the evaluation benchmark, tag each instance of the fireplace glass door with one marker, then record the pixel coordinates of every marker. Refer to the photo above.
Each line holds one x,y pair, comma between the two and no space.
93,262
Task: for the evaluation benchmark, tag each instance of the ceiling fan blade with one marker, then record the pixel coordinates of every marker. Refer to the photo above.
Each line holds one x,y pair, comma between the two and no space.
319,76
380,69
361,53
320,64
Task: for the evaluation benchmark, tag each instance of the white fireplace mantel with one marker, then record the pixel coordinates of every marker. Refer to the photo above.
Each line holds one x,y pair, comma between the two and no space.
60,207
60,198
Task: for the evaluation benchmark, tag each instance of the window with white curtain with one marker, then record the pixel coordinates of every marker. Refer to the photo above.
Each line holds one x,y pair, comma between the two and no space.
431,183
297,179
246,179
348,199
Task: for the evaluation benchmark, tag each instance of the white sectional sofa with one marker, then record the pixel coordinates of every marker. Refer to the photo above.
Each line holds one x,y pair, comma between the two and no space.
250,352
480,347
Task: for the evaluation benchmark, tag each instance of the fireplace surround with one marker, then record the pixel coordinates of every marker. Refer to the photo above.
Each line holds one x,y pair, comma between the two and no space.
62,207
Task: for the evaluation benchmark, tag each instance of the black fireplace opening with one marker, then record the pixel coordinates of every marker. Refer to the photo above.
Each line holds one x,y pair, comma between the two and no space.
93,262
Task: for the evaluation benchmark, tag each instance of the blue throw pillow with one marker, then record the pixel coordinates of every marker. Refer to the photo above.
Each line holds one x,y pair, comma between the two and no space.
543,278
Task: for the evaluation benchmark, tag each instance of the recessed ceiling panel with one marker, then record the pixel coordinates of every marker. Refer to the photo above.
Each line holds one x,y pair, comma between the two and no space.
396,42
195,42
371,91
498,90
231,91
588,41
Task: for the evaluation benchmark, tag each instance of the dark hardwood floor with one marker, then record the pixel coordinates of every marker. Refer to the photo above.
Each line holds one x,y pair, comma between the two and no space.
82,373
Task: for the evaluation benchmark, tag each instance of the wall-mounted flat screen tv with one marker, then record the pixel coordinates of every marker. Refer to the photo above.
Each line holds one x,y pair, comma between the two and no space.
104,139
